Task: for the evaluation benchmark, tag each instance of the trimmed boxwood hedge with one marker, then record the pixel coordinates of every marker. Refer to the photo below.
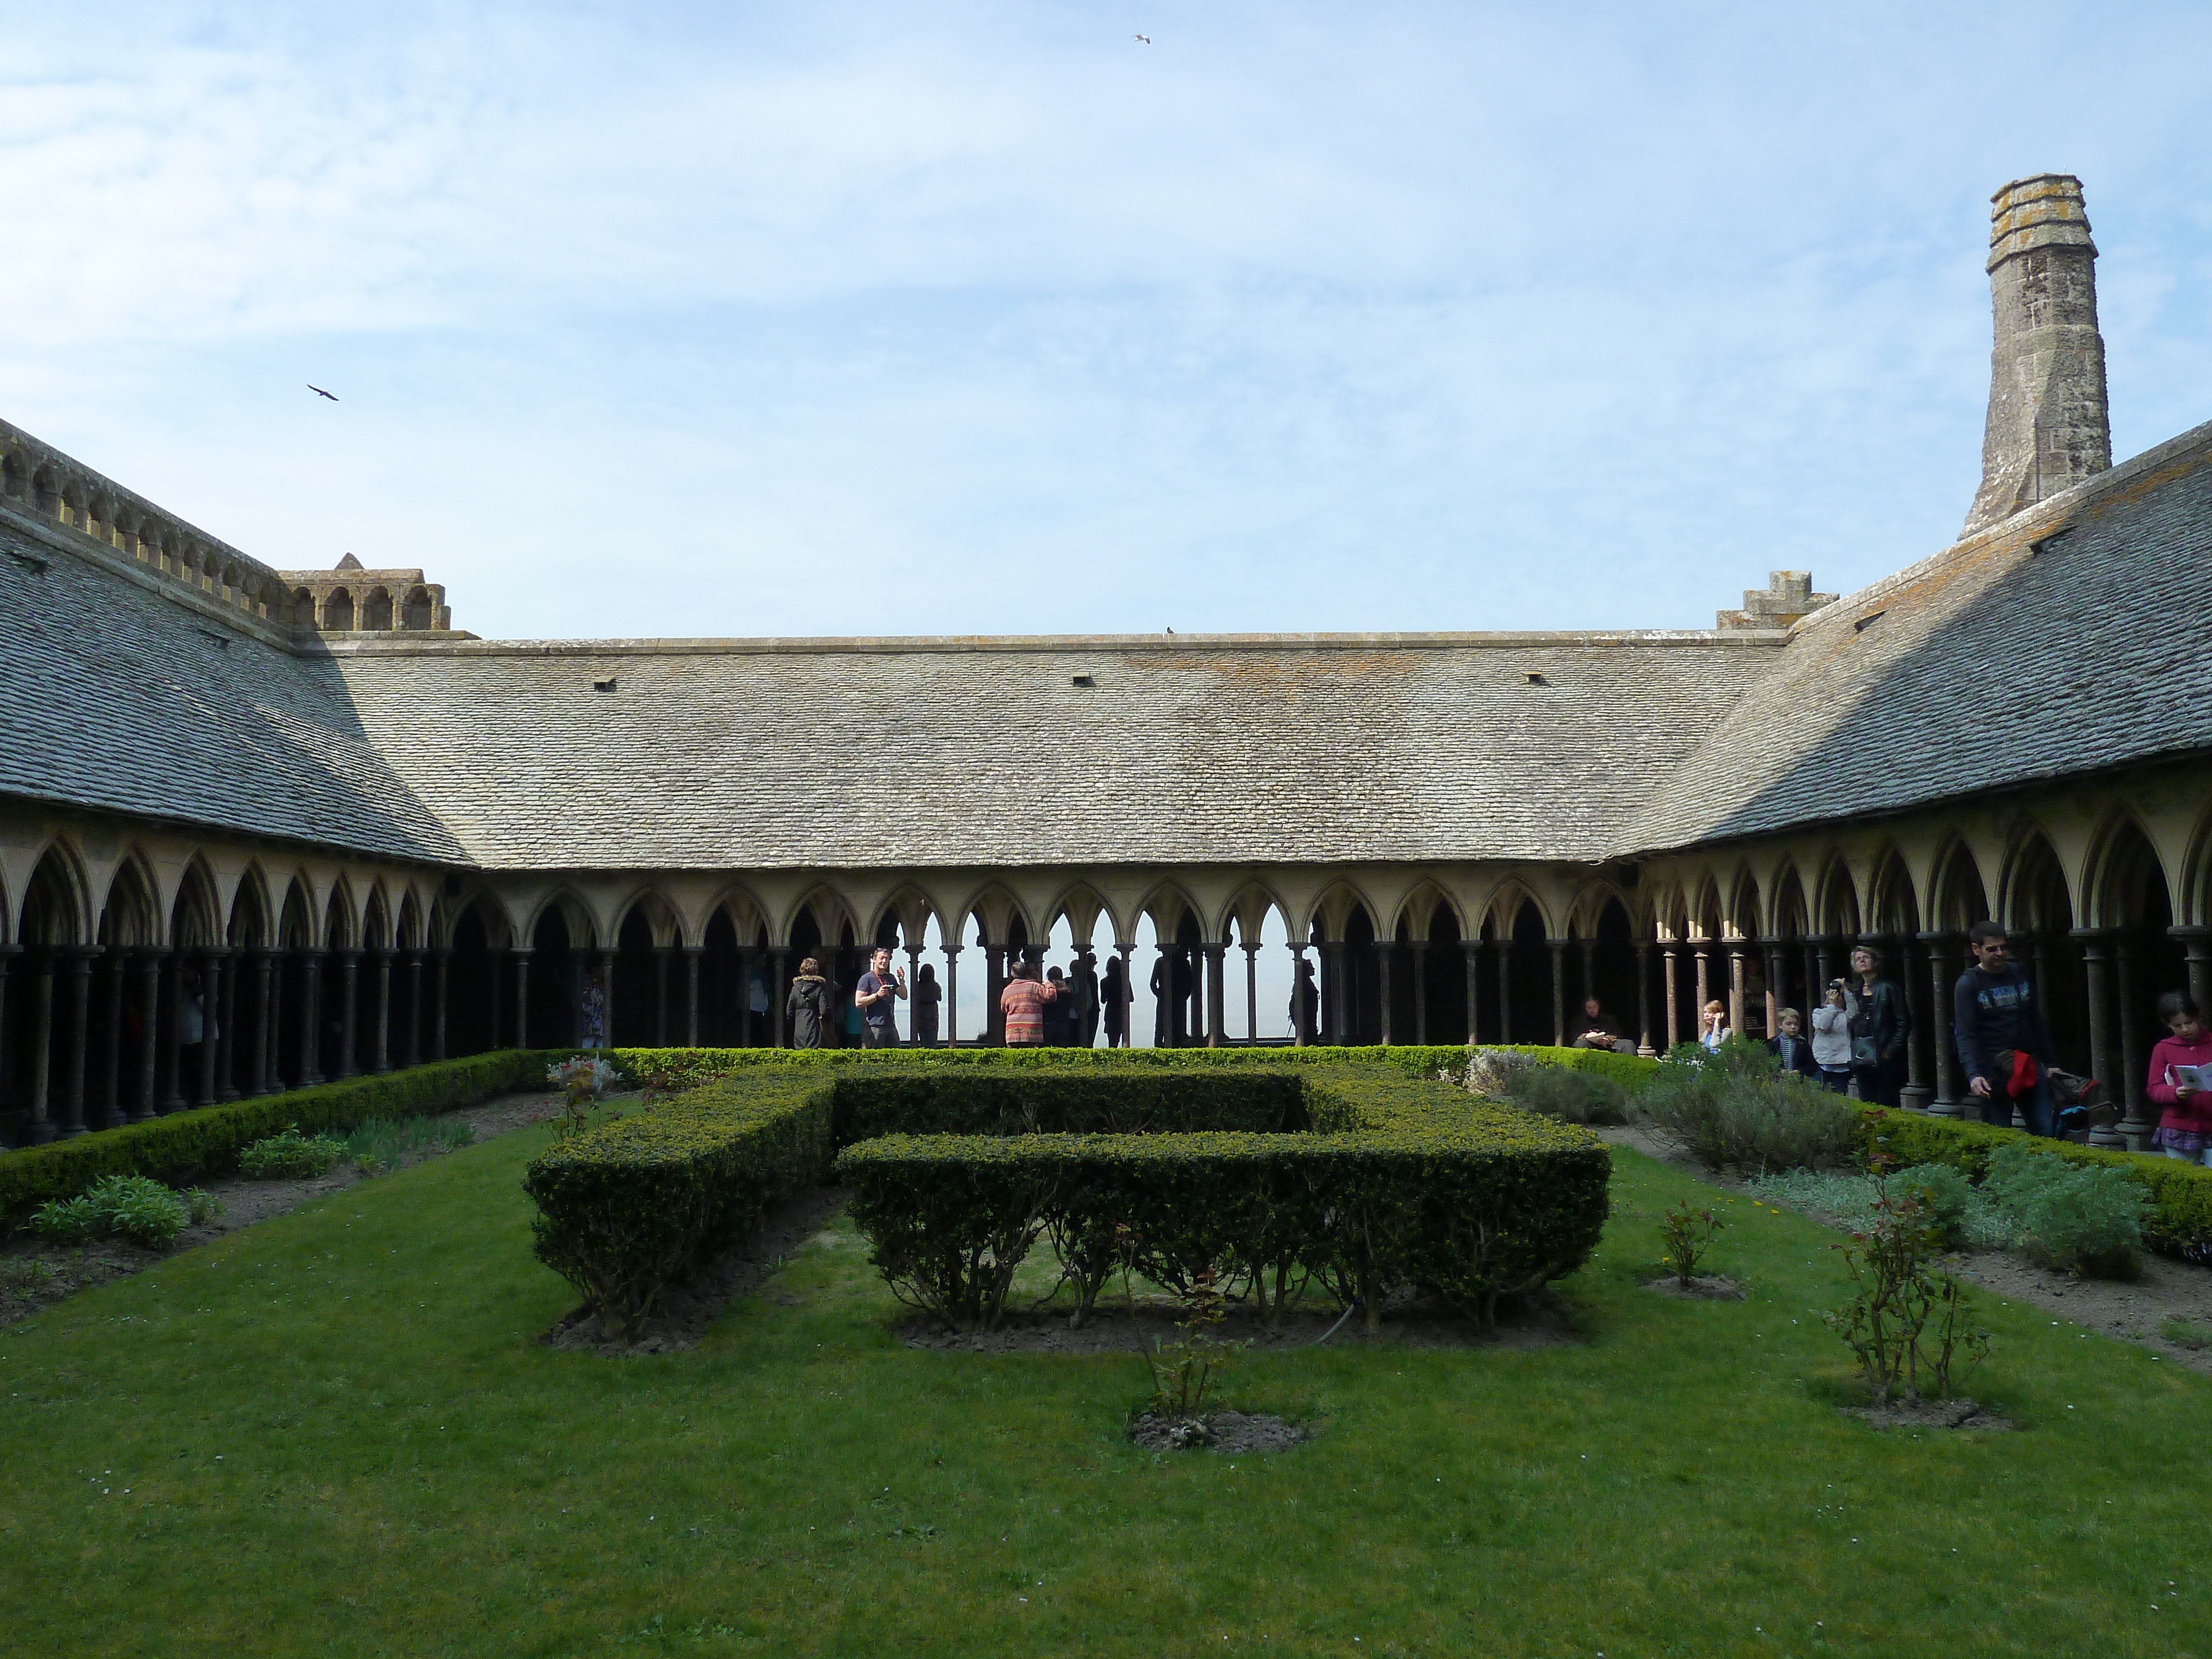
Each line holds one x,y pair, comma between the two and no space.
209,1139
2180,1220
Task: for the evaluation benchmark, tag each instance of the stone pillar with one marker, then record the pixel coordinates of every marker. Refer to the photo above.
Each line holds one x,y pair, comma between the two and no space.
216,978
1472,948
413,1052
380,1049
1829,946
7,951
1252,995
692,953
994,981
1644,1001
1735,947
1216,955
1341,1009
660,953
914,981
2197,942
521,955
1503,946
1420,949
1701,950
2097,964
40,1126
349,1011
607,996
2140,1126
272,1033
439,990
257,1061
173,1094
778,988
1589,972
745,956
150,1024
110,1112
1558,993
950,1019
1384,951
1672,950
1777,998
1950,1095
76,1035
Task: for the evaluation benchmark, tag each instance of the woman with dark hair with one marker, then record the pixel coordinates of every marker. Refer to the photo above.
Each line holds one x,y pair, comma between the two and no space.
2181,1080
809,1005
1881,1024
928,997
1113,1005
1023,1002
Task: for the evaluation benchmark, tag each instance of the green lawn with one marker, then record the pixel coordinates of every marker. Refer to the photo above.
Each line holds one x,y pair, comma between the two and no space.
333,1434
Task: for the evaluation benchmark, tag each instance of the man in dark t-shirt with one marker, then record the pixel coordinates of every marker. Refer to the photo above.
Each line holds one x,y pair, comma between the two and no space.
877,997
2003,1048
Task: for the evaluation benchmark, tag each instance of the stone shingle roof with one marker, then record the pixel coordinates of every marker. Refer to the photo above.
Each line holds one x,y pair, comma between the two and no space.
858,753
2021,654
116,695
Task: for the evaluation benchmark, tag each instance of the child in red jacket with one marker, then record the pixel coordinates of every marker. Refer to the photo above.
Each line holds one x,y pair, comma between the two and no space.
2185,1128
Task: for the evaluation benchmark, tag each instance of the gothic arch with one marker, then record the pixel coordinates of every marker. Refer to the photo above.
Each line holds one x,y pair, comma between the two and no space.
661,914
1957,895
376,919
194,915
832,914
1506,904
1417,912
1893,905
575,916
1078,898
2123,862
746,916
911,911
409,932
1836,898
56,906
129,915
251,917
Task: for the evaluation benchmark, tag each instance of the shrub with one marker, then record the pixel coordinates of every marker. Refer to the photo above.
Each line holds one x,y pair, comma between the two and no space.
210,1137
1902,1321
2072,1218
117,1207
1571,1096
1945,1195
1737,1110
290,1156
383,1141
1684,1236
627,1207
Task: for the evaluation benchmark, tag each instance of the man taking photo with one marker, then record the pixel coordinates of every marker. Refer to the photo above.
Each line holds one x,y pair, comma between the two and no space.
2003,1047
877,997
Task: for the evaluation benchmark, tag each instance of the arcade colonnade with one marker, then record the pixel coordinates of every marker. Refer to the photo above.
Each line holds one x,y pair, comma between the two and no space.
119,939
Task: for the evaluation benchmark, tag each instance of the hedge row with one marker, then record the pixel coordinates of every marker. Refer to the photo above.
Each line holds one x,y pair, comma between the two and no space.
624,1208
2180,1221
1402,1183
208,1141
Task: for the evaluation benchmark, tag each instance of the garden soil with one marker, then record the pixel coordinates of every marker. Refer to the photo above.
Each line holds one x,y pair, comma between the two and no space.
35,1274
1537,1322
1217,1431
2129,1312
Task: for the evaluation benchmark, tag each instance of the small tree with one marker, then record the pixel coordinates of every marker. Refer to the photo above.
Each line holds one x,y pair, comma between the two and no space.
1905,1322
1684,1236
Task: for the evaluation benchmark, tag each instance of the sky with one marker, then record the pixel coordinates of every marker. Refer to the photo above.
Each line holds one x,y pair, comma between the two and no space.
658,319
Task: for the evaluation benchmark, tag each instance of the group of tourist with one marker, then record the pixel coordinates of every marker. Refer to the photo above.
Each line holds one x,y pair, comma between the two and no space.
1055,1009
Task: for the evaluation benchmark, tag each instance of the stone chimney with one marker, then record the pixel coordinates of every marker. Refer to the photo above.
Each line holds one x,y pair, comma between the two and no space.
1788,596
2049,428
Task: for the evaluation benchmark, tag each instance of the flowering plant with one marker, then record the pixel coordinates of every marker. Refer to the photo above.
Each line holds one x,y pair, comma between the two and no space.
582,1081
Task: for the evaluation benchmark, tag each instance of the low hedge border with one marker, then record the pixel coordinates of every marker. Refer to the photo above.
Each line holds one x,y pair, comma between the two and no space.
2180,1221
208,1141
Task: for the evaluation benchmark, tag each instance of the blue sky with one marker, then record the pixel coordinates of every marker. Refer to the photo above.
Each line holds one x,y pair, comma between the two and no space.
851,319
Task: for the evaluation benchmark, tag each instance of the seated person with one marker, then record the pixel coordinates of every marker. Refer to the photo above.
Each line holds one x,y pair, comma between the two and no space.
1601,1030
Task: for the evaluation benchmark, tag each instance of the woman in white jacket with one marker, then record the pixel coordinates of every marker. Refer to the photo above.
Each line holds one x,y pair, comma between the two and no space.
1832,1038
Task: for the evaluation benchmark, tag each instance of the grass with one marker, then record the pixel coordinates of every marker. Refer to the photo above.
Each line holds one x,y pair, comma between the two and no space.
383,1141
1849,1199
333,1433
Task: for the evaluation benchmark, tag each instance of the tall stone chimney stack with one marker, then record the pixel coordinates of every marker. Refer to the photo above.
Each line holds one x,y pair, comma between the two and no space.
2049,428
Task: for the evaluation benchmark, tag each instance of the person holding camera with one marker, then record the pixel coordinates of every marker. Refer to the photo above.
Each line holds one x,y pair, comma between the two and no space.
877,997
1832,1038
1881,1024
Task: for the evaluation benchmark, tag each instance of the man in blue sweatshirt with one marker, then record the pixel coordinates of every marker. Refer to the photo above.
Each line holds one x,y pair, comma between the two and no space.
2003,1047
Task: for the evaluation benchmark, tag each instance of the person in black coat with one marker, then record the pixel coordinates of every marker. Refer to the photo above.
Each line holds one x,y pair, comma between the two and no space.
1882,1026
809,1006
1792,1047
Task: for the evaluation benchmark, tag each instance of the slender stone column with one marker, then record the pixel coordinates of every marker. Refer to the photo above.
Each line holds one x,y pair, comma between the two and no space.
257,1060
1420,947
1503,946
994,981
2097,963
438,957
7,951
1776,996
1920,1088
1473,950
272,1032
39,1128
1590,966
692,953
1735,947
1216,959
2197,942
349,1011
211,1027
411,1054
1951,1096
951,1017
1644,1001
78,1033
778,988
111,1049
2140,1126
173,1094
1341,1008
1384,951
1672,950
311,1017
1558,993
150,1026
912,982
746,956
520,953
607,988
1830,945
380,1044
1701,950
660,955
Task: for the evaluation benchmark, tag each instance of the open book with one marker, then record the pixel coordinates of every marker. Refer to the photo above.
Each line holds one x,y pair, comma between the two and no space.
2193,1076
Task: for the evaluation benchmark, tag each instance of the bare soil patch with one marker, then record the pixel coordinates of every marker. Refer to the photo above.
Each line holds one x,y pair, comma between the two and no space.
35,1274
683,1311
1535,1321
1930,1414
1216,1431
1705,1287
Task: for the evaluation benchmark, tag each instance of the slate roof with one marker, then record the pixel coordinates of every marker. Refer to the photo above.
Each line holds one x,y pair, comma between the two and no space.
1991,665
886,753
116,695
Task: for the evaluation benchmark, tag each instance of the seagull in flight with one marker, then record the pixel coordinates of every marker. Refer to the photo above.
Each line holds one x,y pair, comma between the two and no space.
1146,39
319,392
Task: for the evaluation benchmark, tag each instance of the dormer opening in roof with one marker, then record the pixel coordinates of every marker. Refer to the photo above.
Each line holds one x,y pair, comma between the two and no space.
2049,426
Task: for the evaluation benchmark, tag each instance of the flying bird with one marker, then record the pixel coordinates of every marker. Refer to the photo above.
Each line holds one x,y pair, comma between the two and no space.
1146,39
319,392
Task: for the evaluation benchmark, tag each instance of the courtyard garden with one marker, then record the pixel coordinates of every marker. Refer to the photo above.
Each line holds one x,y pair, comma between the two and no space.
342,1431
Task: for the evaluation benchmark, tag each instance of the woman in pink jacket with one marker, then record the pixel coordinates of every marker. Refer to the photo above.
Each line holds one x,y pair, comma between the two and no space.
1023,1003
2185,1128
